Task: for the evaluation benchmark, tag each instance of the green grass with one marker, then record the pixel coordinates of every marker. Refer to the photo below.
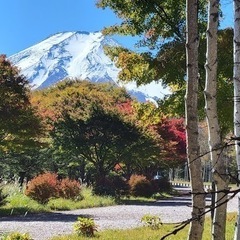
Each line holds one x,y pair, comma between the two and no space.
145,233
18,203
88,201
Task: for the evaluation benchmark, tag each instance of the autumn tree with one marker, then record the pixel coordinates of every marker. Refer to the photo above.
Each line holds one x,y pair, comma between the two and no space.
91,126
101,138
20,127
69,93
18,121
173,134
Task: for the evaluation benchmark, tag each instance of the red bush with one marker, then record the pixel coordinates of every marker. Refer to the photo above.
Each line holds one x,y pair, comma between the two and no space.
140,186
43,187
46,186
69,188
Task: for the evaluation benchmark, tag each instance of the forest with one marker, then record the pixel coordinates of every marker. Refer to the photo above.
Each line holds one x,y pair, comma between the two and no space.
83,130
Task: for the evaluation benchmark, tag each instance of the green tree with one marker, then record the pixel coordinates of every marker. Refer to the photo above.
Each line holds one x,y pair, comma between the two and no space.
160,25
165,35
101,138
19,124
174,105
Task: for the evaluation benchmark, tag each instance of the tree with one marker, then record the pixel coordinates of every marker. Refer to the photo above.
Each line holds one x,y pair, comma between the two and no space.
19,124
215,142
93,125
191,109
173,104
101,138
153,21
236,80
173,135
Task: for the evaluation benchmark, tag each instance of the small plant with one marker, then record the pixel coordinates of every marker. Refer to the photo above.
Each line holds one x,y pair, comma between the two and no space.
17,236
152,221
85,226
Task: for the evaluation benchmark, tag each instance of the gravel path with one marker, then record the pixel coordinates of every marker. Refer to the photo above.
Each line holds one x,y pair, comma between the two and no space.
44,226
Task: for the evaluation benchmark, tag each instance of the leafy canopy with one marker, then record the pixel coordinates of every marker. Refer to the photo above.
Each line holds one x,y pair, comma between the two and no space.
19,124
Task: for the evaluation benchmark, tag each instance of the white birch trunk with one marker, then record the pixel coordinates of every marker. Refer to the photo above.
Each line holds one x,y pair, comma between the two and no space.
215,143
236,81
191,103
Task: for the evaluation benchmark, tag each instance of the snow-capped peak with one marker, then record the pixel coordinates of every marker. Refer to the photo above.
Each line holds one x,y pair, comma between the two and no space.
69,54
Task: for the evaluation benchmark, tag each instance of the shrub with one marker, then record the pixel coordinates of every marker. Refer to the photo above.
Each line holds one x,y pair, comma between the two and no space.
46,186
161,185
152,221
85,226
119,184
140,186
43,187
103,187
69,189
112,185
17,236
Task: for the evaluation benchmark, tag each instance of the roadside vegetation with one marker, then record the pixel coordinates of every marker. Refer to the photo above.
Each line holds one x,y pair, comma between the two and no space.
17,202
146,233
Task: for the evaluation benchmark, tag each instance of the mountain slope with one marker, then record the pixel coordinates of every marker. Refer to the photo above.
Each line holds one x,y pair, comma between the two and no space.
73,55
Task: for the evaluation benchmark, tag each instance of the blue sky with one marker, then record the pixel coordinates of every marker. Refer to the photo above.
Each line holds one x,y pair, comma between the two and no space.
27,22
24,23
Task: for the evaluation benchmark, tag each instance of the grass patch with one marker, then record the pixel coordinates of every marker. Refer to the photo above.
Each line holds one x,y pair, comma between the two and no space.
88,201
146,233
130,200
18,203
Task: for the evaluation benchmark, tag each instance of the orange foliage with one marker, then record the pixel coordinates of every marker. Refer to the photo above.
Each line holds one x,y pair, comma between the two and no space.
46,186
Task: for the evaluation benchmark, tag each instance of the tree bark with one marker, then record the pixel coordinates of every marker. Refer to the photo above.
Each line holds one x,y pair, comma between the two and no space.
215,142
236,81
191,103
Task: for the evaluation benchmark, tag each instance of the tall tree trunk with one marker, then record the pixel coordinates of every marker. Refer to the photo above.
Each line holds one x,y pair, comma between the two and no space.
236,80
215,143
191,103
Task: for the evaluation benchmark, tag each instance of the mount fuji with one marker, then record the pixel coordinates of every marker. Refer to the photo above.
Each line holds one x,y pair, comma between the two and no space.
76,55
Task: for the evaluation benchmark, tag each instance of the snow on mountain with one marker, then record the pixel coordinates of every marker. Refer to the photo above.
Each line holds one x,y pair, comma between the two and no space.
75,55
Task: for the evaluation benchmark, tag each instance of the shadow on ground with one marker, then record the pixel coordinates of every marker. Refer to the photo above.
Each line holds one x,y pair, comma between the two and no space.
42,217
